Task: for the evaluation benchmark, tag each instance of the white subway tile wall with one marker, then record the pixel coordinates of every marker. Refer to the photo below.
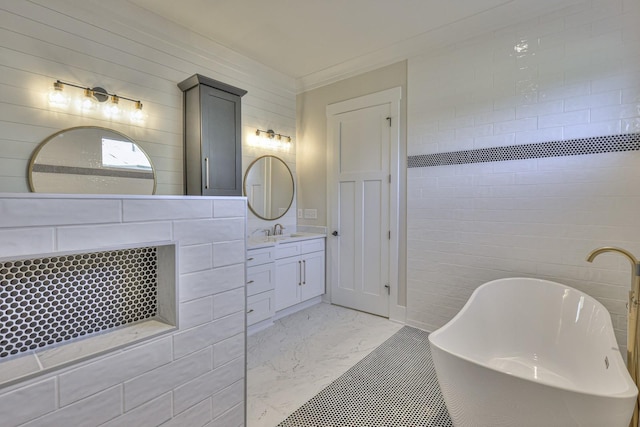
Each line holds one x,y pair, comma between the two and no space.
167,379
574,73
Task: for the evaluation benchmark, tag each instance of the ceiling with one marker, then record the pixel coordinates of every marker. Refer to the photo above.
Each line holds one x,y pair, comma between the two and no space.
301,38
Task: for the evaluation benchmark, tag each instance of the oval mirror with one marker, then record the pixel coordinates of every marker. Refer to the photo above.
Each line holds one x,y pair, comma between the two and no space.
91,160
268,186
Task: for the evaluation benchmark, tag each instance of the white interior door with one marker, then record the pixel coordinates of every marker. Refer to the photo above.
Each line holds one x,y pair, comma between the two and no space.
361,209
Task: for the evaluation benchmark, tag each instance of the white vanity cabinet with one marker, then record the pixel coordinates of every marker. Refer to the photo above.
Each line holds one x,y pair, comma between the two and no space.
300,273
260,284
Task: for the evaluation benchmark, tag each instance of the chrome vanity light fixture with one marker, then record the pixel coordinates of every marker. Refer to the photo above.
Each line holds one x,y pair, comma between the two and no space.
92,99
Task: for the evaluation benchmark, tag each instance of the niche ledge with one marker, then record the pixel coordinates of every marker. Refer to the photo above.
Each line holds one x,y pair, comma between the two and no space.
142,305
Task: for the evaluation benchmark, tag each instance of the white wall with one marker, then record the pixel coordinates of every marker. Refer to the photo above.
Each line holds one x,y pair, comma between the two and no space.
571,74
128,51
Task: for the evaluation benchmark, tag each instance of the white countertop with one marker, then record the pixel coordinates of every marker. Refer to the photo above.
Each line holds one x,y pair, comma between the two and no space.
268,241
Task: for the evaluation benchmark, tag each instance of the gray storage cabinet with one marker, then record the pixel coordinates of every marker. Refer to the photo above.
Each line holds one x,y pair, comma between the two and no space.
212,137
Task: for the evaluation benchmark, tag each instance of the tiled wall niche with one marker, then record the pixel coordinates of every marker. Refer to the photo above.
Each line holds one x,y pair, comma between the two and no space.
191,376
79,305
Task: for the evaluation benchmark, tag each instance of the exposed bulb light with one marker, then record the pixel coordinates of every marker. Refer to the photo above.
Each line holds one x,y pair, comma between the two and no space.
89,102
137,115
113,109
57,97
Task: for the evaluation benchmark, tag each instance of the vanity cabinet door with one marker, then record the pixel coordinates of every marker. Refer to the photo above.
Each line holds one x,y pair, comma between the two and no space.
312,275
288,282
221,142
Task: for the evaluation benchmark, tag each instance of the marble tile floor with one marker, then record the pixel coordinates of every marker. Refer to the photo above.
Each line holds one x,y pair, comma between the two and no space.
290,362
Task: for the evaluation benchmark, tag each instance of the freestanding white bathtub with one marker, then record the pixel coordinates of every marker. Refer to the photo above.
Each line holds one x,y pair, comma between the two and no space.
529,352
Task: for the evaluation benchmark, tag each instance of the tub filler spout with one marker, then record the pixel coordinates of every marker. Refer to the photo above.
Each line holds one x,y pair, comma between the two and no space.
632,317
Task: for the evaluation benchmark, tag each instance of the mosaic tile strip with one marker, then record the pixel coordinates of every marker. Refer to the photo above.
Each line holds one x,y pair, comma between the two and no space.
50,300
572,147
394,386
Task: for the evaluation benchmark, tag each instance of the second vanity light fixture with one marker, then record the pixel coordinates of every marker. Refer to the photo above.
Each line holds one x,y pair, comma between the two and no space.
271,135
92,99
274,140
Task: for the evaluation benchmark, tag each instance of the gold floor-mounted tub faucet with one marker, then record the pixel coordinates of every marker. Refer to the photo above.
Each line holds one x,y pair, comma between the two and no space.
632,318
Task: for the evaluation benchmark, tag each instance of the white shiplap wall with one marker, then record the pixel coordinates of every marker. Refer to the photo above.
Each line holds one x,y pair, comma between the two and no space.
128,51
571,74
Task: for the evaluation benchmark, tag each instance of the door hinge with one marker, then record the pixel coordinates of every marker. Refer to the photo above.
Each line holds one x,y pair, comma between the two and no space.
388,288
389,178
389,118
389,234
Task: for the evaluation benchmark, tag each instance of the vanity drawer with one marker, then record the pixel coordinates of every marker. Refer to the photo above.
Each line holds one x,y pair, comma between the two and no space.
314,245
260,307
260,278
260,256
284,250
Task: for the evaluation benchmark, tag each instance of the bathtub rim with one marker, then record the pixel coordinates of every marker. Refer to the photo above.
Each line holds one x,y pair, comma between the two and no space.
631,388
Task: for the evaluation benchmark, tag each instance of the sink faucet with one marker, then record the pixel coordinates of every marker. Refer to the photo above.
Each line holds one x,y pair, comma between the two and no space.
632,316
276,231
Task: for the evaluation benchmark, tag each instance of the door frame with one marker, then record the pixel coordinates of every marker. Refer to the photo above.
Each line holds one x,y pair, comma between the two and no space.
393,97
